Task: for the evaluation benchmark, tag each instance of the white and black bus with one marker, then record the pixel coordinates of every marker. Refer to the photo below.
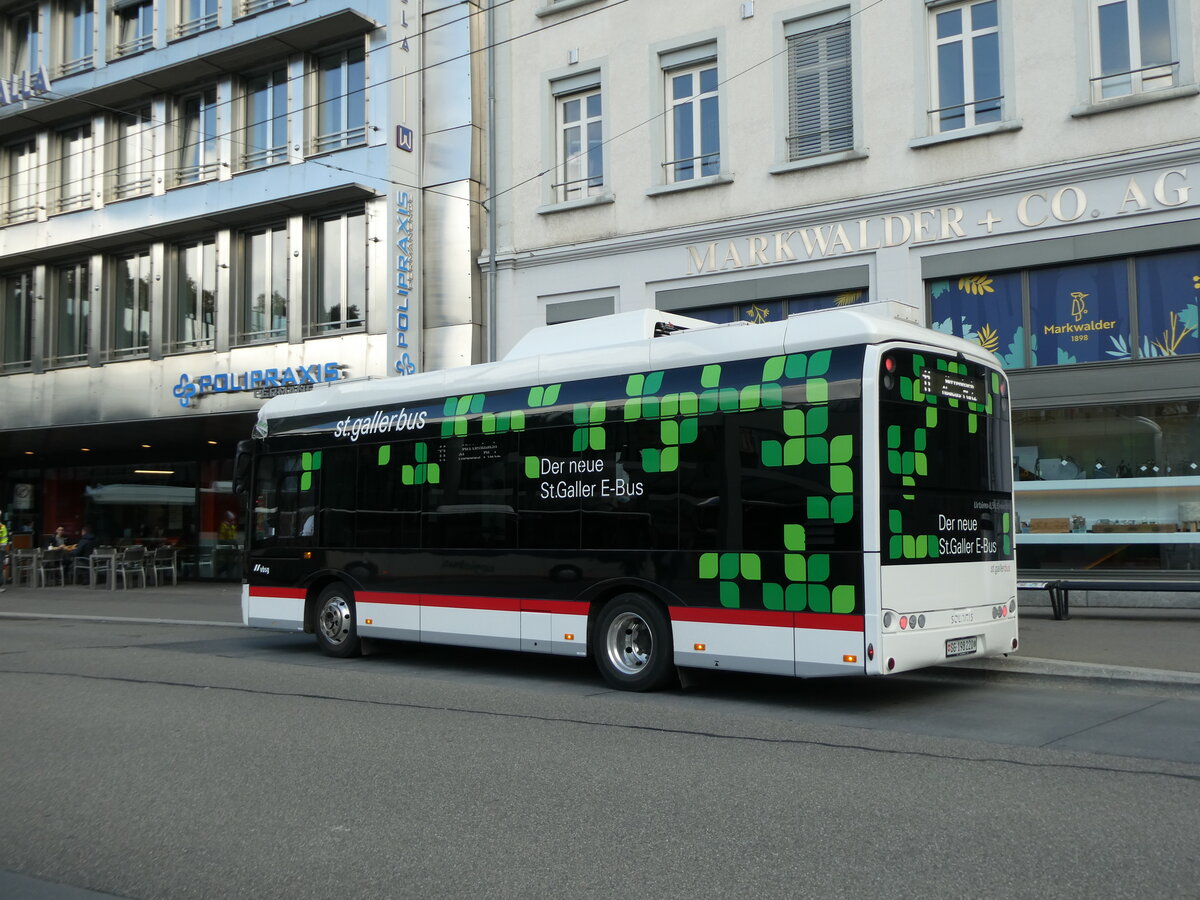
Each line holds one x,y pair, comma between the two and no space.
826,495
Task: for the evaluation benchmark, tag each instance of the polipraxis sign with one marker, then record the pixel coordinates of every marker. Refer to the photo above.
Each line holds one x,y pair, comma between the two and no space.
261,383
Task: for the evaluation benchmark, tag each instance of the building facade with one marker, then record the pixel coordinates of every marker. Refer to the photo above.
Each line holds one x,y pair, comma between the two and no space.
204,203
1026,174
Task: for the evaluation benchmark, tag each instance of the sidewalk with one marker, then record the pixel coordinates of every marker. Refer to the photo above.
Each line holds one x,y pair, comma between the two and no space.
1160,645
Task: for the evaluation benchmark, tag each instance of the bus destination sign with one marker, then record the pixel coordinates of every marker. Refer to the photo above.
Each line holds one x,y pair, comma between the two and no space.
952,386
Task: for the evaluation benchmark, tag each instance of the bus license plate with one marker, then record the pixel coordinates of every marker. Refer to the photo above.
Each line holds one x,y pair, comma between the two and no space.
961,646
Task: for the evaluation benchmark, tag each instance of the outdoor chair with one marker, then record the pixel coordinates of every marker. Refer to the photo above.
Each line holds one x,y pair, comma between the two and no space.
98,565
162,564
130,564
51,568
25,566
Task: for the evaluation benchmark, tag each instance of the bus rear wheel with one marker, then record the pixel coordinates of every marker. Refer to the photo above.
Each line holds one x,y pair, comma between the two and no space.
336,628
632,648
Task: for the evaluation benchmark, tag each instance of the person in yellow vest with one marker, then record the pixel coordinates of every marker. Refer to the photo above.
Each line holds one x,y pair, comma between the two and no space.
3,552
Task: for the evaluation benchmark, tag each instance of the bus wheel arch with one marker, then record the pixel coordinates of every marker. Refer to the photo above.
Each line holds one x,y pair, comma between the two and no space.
631,644
334,620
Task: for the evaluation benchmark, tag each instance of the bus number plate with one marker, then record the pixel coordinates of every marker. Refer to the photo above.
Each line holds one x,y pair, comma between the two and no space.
961,646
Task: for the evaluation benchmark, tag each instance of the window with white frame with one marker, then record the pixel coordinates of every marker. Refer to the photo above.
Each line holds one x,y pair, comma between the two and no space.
75,167
20,43
966,79
133,26
194,16
1133,48
693,122
341,114
820,102
129,311
16,317
194,307
340,300
265,113
265,291
19,171
133,151
580,144
75,21
196,158
70,314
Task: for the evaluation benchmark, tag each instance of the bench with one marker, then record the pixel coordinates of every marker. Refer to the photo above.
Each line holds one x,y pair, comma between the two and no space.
1060,589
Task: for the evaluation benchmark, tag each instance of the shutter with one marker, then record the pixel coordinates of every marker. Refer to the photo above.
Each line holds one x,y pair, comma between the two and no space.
820,105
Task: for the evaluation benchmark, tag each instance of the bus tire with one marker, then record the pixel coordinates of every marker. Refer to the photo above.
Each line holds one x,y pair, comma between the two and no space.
632,645
335,624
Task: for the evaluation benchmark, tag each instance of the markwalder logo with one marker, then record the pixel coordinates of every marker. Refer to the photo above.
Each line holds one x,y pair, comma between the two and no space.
1078,311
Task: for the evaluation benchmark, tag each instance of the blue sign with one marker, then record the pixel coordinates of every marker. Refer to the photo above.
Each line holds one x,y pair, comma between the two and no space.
263,383
405,139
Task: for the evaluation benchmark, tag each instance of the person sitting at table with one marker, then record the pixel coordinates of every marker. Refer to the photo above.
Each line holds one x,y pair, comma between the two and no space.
86,544
58,539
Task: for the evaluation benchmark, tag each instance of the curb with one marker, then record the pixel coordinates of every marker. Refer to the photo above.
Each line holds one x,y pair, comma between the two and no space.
98,618
1081,670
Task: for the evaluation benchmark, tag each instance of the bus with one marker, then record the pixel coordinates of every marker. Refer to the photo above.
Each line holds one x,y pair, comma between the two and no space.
830,494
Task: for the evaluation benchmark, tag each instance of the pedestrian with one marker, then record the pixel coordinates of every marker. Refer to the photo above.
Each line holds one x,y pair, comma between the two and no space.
3,552
58,539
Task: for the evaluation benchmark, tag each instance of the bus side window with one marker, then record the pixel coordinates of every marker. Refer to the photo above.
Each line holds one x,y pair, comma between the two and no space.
266,506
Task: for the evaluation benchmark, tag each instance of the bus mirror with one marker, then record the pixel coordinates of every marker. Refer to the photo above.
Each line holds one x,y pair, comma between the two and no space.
241,467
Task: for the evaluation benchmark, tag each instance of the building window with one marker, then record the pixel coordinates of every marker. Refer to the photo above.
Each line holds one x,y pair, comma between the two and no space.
129,326
15,321
1132,47
197,155
76,21
580,145
133,26
195,16
264,285
693,123
19,182
341,277
20,47
251,7
134,152
966,66
265,113
341,100
820,103
72,309
75,168
195,308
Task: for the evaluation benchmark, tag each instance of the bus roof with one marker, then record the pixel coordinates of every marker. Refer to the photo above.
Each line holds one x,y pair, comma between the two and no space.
638,341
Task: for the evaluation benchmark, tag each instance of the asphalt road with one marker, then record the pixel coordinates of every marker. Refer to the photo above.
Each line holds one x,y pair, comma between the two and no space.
159,761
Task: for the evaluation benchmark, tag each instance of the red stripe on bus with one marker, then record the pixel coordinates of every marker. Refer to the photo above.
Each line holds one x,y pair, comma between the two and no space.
820,621
278,592
395,599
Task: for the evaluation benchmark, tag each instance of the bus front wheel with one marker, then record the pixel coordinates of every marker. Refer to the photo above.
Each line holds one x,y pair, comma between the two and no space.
633,644
337,631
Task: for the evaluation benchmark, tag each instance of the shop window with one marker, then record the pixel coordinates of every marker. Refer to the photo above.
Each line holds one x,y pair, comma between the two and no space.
265,112
1168,292
341,114
129,325
758,312
195,288
820,102
18,181
264,284
1079,313
71,314
134,151
985,308
341,277
1109,487
15,321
